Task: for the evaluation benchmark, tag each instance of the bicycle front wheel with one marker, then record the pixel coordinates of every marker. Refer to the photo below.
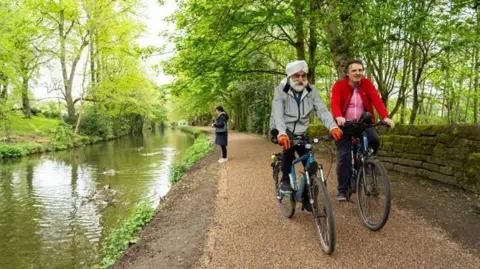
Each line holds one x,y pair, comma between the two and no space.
373,194
286,203
322,214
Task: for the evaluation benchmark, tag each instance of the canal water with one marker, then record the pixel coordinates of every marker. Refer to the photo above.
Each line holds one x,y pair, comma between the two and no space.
56,209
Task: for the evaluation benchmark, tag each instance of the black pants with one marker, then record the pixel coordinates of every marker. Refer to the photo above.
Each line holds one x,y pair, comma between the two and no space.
224,151
289,156
344,158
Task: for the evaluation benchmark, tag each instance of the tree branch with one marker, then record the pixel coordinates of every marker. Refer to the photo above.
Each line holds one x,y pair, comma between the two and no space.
290,39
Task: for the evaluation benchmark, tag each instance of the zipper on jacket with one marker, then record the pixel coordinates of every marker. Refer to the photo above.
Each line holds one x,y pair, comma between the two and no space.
295,124
299,115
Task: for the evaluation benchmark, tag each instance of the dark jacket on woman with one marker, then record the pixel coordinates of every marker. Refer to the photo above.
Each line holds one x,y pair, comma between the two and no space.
221,129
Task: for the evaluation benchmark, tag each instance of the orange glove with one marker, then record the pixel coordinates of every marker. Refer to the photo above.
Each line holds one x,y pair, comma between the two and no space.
336,133
284,141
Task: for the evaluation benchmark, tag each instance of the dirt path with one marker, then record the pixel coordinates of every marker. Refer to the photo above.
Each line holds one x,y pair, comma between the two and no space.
249,232
225,216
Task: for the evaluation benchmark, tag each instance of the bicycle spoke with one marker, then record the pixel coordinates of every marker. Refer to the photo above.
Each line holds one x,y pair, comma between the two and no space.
373,195
322,216
285,203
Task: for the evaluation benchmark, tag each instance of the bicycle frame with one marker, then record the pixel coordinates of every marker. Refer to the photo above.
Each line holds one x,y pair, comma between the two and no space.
359,147
310,159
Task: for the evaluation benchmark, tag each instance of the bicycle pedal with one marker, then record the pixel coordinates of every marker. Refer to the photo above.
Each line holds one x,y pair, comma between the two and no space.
283,193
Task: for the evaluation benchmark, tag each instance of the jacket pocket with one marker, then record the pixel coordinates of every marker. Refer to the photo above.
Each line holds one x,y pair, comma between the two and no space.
291,107
307,106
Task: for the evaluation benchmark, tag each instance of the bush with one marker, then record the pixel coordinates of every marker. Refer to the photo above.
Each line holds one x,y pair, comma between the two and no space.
63,133
196,152
15,151
118,240
96,124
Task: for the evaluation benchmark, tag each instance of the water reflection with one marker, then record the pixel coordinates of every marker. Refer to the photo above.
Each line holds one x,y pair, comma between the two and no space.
51,215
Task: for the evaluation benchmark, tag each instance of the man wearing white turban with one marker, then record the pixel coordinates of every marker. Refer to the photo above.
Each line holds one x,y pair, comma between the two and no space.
294,99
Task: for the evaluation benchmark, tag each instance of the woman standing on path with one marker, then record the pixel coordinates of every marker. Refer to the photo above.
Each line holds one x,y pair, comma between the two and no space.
221,132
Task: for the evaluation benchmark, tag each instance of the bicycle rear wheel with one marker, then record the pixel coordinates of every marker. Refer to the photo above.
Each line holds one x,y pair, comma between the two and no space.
286,203
322,214
373,194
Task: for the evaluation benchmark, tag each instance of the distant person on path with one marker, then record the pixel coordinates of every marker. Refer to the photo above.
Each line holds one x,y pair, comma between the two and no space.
221,132
351,97
293,102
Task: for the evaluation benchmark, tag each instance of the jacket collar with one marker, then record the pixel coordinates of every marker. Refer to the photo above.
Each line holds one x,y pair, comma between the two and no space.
289,90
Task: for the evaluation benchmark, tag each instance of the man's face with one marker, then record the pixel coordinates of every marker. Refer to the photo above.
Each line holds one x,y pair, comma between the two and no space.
299,78
355,73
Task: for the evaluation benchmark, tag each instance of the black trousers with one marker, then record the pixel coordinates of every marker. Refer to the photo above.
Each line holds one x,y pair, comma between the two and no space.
289,156
344,158
224,151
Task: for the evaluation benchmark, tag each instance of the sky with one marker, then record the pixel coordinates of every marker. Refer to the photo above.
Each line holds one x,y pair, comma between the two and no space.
153,16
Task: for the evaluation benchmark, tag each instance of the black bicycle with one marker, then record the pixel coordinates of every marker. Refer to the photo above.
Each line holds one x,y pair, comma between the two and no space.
311,191
369,178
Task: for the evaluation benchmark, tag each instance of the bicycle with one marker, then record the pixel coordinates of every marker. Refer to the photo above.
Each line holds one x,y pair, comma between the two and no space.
316,189
368,175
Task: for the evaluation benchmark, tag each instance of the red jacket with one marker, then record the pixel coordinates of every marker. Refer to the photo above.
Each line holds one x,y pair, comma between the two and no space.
342,91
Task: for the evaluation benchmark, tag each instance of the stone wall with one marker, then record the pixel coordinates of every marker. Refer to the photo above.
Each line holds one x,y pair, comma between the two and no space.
450,154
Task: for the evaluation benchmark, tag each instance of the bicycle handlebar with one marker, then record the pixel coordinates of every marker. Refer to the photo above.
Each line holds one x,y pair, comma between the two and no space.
303,141
361,124
356,127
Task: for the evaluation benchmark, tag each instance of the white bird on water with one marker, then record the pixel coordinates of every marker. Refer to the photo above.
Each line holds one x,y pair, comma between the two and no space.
109,172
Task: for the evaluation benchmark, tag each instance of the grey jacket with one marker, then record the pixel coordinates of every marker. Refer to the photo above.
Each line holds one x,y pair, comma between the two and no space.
287,114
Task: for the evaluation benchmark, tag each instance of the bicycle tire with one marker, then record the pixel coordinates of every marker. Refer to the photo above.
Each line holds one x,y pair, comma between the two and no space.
322,214
285,203
368,188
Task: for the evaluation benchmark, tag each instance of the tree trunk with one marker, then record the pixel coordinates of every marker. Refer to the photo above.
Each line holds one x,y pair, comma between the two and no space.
476,68
92,60
413,114
68,78
300,42
470,88
25,100
97,58
340,46
313,42
457,112
401,101
3,87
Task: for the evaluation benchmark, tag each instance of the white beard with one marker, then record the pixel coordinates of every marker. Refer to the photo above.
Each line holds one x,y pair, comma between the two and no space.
298,87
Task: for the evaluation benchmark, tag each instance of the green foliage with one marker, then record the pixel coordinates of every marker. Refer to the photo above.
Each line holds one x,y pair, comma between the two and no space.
96,124
177,171
15,151
50,110
191,130
317,130
421,54
63,133
118,240
196,152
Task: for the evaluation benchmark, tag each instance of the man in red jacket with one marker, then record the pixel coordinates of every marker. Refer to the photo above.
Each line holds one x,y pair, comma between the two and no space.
351,97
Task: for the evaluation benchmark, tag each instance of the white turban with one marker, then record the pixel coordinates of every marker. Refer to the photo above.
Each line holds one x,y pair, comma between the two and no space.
296,66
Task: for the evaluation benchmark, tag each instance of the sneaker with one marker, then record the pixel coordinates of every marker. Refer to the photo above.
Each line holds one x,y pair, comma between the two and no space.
222,160
285,187
342,197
